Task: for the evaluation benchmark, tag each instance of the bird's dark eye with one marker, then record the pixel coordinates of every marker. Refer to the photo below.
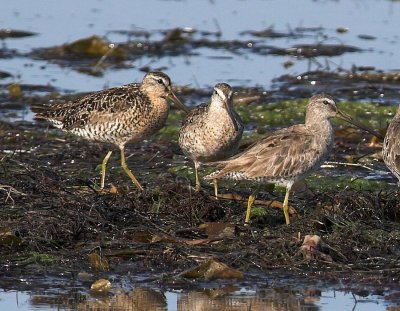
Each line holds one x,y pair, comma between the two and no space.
326,102
160,81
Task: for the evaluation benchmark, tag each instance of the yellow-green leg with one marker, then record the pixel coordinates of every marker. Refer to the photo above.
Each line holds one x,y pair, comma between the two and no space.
286,206
196,166
128,171
250,202
103,169
215,182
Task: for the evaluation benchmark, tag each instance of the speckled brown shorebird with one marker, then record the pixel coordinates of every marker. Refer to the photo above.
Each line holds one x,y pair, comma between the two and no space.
391,146
118,115
289,154
211,132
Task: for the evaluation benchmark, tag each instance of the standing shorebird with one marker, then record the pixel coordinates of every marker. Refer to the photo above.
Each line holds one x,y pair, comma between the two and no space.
118,115
289,154
391,146
211,132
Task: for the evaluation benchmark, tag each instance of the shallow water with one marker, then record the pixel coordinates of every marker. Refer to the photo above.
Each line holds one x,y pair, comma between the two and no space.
150,299
58,23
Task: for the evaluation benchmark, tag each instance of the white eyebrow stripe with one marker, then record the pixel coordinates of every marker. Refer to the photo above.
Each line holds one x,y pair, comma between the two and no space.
221,94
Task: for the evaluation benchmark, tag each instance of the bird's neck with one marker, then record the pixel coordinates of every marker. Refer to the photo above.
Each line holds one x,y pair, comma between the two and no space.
321,127
218,113
216,109
159,103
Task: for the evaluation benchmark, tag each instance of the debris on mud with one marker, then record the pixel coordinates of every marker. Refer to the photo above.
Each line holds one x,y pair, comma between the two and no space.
7,33
92,47
356,84
212,269
175,42
314,50
271,33
54,221
88,55
4,74
51,206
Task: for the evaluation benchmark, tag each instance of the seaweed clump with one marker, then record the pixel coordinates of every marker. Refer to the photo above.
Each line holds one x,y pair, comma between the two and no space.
51,205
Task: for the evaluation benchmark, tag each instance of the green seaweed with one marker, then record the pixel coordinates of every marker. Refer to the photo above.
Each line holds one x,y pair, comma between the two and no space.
285,113
289,112
273,114
171,129
258,213
268,116
329,183
43,258
371,114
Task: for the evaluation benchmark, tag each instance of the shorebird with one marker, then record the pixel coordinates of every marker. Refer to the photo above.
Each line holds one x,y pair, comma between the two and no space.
391,146
117,115
289,154
211,132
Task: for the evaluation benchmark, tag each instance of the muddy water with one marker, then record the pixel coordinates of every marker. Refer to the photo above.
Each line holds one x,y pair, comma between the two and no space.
371,26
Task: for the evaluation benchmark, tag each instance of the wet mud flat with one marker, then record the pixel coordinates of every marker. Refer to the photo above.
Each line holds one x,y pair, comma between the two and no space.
58,228
55,223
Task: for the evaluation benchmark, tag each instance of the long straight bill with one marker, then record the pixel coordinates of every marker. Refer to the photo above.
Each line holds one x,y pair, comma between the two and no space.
229,107
347,118
178,103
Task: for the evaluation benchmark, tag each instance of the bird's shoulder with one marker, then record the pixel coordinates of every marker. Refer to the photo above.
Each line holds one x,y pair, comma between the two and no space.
287,152
195,114
113,100
287,137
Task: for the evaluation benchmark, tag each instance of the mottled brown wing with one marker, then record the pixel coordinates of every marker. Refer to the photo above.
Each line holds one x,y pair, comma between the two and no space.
102,104
391,148
285,153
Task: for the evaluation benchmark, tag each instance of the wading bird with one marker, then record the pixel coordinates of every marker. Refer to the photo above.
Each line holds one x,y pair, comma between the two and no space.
289,154
117,115
211,132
